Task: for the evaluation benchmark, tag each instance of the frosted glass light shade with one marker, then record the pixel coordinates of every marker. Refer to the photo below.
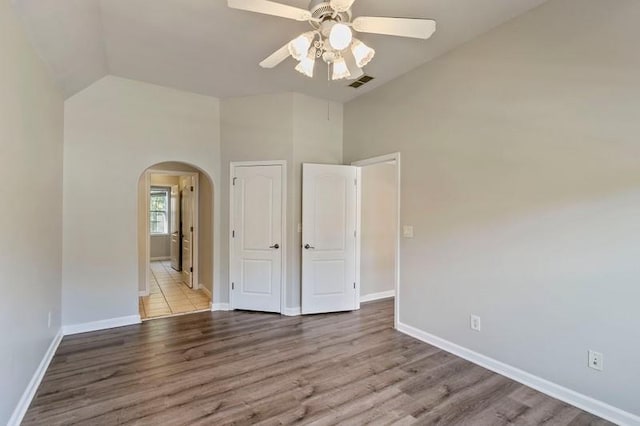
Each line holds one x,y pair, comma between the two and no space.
362,53
340,69
299,46
306,65
340,36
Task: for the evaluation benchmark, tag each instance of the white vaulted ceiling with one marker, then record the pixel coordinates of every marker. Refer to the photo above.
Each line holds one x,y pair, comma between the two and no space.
204,47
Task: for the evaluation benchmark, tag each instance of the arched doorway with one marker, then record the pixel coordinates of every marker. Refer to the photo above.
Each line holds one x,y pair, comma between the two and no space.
175,240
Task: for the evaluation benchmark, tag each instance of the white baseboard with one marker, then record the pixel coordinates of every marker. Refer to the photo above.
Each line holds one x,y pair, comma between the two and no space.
220,307
206,290
156,259
100,325
143,293
32,387
377,296
292,312
554,390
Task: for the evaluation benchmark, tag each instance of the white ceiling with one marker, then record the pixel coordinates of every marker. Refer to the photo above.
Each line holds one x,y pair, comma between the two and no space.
204,47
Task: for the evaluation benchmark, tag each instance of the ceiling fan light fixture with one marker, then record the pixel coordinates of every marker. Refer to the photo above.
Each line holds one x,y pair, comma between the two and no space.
362,53
340,36
307,64
340,69
299,46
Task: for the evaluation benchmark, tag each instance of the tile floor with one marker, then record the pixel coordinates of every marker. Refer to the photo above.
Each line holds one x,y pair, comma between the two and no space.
169,295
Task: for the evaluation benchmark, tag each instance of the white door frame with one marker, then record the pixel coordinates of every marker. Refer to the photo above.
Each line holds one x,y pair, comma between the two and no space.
283,276
196,225
368,162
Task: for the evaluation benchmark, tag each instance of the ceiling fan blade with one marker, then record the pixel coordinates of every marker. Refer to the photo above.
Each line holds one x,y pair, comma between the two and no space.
402,27
271,8
276,57
355,71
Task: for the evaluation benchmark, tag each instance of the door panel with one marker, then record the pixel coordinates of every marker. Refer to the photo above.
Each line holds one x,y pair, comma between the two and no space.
328,277
187,202
329,239
175,227
330,208
256,270
256,277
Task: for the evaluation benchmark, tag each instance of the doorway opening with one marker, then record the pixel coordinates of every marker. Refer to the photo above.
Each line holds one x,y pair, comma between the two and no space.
379,225
175,240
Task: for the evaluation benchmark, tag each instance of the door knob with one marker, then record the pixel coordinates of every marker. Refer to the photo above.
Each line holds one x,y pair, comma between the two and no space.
307,246
275,246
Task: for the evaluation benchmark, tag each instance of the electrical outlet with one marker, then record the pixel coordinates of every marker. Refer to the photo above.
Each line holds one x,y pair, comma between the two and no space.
475,322
596,360
49,320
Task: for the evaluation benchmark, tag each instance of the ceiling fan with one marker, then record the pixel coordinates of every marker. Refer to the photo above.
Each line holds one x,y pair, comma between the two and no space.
331,37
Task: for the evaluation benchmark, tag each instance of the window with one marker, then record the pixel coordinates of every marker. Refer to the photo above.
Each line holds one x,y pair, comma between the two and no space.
159,211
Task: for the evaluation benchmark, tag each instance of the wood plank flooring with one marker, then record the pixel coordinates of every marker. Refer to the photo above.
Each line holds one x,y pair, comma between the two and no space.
217,368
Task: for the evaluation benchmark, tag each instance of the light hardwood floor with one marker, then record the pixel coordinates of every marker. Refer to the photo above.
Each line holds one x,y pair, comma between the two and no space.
219,368
169,295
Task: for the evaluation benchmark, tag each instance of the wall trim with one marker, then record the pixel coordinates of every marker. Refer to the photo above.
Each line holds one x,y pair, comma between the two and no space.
206,290
156,259
34,383
143,293
292,312
220,307
554,390
100,325
377,296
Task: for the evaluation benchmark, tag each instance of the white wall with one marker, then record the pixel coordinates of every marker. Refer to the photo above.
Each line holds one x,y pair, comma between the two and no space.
520,174
287,126
114,130
31,136
378,229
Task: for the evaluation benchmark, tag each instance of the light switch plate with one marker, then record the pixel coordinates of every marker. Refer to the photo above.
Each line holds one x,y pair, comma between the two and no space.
474,323
407,231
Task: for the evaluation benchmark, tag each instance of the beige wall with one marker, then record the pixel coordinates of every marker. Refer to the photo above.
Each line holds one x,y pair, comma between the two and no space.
114,131
31,136
378,229
288,126
520,173
165,180
159,247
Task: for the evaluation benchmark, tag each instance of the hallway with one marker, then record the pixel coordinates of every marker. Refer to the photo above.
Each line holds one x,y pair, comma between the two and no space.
169,295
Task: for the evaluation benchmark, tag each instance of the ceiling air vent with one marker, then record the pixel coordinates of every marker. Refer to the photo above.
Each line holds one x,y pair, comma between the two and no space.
362,80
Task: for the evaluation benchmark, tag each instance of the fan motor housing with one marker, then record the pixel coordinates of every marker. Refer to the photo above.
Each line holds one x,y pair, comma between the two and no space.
322,10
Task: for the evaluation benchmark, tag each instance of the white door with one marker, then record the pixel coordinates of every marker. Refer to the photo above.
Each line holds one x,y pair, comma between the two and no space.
329,238
175,227
186,214
256,231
